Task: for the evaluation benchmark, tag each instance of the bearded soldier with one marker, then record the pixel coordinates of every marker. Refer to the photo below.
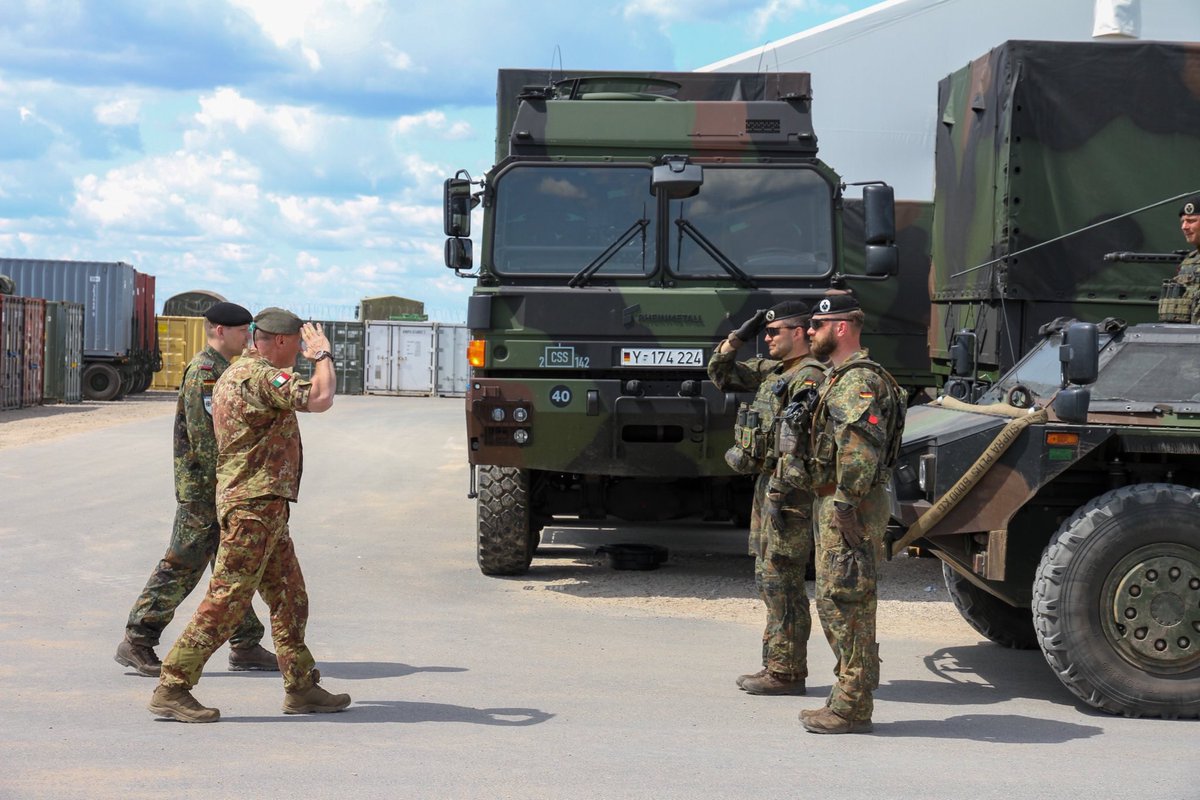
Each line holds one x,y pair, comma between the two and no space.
780,516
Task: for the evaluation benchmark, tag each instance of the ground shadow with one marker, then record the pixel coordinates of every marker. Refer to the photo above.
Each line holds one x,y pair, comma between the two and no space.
344,670
999,728
402,711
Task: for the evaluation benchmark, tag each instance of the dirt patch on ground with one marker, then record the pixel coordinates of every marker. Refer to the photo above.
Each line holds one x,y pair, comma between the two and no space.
41,423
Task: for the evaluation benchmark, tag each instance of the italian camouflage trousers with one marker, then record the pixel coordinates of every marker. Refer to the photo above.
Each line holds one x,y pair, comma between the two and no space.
847,602
780,560
193,544
256,554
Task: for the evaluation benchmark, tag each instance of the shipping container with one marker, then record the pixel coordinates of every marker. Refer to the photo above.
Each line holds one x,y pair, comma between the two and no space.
349,355
390,308
416,358
22,345
191,304
64,352
118,351
179,339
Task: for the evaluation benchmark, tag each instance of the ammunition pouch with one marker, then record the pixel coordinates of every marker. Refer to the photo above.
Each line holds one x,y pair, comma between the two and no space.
741,463
1175,301
753,439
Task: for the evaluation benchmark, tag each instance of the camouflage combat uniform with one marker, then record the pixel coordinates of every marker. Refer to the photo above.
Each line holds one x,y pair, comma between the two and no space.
858,419
196,532
258,474
1180,301
780,556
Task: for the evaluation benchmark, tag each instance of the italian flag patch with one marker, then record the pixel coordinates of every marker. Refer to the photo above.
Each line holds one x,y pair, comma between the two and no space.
280,379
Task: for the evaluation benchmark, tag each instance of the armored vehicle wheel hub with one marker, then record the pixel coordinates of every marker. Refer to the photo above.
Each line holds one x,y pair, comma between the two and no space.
1155,619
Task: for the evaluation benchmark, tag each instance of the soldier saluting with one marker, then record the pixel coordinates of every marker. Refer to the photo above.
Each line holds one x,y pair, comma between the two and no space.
780,516
1180,300
855,432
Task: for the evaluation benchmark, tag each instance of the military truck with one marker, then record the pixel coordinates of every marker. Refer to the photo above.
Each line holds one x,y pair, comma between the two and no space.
1042,151
630,222
1065,507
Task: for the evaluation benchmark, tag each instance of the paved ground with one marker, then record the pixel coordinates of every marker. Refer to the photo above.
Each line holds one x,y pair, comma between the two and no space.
573,681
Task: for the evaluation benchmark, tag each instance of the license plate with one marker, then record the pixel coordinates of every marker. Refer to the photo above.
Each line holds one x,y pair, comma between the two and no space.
661,357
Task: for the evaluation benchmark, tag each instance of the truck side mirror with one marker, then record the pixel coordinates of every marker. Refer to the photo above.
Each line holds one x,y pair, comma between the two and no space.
883,260
879,218
1071,404
458,253
456,207
962,354
676,178
1080,353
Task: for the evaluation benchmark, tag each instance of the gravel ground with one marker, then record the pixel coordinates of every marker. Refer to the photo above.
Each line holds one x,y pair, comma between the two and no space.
700,580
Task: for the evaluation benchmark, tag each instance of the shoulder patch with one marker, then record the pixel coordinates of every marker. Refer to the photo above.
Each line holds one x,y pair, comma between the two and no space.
206,367
282,378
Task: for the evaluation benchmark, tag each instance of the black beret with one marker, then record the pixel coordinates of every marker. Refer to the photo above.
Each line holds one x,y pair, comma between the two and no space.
1191,205
836,304
786,310
277,320
228,314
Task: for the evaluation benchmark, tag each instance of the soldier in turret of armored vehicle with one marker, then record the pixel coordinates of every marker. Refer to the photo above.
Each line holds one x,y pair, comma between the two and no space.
1180,299
780,518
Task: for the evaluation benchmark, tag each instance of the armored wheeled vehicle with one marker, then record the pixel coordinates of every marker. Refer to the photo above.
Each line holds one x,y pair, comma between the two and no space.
1065,507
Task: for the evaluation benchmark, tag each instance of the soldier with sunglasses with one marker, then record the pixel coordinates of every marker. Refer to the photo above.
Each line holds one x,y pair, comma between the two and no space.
780,517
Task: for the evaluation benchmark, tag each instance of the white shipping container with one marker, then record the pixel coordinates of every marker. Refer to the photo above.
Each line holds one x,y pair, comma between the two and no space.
416,358
452,369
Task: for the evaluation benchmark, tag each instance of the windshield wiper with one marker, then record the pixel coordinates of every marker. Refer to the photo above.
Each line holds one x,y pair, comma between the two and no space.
714,253
585,274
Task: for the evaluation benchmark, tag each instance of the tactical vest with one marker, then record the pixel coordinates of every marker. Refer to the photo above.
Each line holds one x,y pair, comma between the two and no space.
754,433
817,466
1180,295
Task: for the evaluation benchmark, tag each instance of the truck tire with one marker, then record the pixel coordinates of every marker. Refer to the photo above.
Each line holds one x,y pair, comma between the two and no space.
1117,602
504,536
1007,626
101,381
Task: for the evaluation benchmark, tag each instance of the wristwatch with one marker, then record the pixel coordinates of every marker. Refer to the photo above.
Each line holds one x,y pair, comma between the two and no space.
320,354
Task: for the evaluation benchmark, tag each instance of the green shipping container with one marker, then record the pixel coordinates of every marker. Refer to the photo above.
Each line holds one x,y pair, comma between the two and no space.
349,352
64,352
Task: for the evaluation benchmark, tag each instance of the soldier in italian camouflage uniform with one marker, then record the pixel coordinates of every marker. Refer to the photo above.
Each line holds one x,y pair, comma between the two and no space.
1180,299
259,463
196,532
856,425
780,516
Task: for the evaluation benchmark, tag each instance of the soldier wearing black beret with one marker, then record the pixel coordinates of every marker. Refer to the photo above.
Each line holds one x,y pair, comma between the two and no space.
780,517
195,534
1180,298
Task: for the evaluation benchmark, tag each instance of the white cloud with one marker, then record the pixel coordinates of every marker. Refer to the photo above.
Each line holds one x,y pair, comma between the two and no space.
122,111
434,122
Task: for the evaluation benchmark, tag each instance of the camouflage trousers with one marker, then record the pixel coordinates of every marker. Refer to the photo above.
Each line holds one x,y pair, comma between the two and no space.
256,554
780,560
193,544
846,602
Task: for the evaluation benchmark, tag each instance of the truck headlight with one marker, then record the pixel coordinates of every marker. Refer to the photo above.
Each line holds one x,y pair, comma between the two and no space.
520,436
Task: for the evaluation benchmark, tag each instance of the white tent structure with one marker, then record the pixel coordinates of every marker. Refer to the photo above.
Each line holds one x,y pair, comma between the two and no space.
875,72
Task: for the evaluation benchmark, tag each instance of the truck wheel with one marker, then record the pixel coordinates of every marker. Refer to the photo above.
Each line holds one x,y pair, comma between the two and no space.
1005,625
1117,602
504,536
101,381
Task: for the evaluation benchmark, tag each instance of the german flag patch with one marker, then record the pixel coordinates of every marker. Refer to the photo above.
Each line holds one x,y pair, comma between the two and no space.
867,395
281,379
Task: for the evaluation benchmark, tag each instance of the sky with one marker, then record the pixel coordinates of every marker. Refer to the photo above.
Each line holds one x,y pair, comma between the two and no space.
292,152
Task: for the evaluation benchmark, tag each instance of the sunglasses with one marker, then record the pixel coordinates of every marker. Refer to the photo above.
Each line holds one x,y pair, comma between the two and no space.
815,324
778,329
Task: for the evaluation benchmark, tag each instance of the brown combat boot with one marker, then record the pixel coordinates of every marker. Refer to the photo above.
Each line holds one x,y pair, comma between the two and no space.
741,679
314,699
255,657
177,703
826,720
773,683
140,657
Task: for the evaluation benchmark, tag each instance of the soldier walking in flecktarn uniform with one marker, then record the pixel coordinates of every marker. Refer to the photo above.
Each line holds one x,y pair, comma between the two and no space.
259,463
196,532
780,516
855,432
1180,299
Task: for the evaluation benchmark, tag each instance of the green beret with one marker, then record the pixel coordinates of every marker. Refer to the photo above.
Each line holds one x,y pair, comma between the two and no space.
836,304
230,314
278,321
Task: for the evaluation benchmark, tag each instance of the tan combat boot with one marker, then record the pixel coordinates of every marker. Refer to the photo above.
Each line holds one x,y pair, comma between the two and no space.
139,657
177,703
256,657
826,720
314,699
773,683
741,679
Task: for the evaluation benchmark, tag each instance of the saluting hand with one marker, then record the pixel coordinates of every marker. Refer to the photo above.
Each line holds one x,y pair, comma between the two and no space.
314,339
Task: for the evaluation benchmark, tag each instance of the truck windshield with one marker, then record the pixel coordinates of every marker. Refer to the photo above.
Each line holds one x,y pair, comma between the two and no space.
555,220
768,221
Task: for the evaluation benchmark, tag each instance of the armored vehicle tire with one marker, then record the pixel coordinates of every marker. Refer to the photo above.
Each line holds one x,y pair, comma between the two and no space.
101,381
1117,602
1005,625
505,537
